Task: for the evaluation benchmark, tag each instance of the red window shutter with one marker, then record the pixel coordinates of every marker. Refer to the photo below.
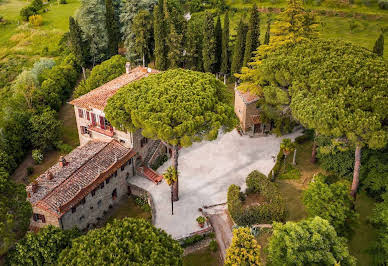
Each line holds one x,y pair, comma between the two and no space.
102,122
80,113
87,115
93,119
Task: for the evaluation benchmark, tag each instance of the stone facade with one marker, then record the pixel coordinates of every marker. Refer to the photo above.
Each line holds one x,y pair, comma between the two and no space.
245,107
97,203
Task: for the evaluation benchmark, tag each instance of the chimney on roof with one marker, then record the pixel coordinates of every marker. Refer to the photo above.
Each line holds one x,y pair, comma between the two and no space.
49,175
34,187
127,67
62,162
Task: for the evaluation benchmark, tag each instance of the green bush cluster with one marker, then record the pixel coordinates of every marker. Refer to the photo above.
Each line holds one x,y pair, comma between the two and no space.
289,172
195,239
213,246
383,4
142,202
277,167
379,219
273,209
31,9
160,160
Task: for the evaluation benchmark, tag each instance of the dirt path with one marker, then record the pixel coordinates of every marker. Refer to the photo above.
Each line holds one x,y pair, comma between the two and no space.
222,225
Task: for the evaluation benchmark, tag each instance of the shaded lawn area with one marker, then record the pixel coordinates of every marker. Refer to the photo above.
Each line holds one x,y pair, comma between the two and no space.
128,208
365,234
203,257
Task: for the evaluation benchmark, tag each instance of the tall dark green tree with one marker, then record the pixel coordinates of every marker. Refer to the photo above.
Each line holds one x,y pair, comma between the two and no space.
112,29
78,46
378,48
239,48
193,45
142,29
160,31
174,47
268,32
218,39
253,35
225,46
209,43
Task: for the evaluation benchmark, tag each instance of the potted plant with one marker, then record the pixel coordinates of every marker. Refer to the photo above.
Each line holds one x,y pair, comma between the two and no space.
201,221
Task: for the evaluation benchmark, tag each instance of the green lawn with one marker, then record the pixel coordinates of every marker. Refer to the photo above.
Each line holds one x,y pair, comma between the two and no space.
128,208
365,234
203,257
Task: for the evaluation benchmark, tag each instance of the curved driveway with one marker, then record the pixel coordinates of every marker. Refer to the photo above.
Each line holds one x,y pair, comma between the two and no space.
206,170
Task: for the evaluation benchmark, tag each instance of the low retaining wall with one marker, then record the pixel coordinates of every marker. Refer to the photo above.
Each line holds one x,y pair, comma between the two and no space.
139,192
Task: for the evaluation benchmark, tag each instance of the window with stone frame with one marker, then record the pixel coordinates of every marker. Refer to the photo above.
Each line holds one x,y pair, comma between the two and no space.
39,217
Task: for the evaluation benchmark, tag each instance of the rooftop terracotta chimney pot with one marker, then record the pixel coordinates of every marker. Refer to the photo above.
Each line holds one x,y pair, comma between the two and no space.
34,187
62,161
128,67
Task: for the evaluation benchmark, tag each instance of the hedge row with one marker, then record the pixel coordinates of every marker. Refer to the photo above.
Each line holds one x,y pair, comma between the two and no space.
273,209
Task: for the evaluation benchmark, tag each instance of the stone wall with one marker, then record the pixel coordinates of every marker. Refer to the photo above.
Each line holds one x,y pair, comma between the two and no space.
240,109
139,192
49,218
95,207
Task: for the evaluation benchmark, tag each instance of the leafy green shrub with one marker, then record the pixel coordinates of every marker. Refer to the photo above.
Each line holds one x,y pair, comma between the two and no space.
242,196
294,243
194,239
276,169
101,74
201,219
43,247
36,5
26,12
37,156
36,20
159,161
213,246
273,209
331,202
383,4
64,148
127,241
255,182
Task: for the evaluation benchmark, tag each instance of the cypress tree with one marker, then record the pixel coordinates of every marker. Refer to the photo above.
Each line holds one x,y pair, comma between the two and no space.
253,35
209,45
379,45
78,46
238,49
193,46
160,37
142,31
225,46
112,28
268,32
218,39
174,47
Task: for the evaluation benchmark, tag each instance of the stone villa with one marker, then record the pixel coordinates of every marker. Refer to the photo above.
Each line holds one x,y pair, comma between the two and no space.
83,185
245,107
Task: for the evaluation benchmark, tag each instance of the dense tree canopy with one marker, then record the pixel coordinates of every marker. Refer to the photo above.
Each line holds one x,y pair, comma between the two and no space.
101,74
15,211
331,202
41,248
308,242
379,220
124,242
244,249
177,106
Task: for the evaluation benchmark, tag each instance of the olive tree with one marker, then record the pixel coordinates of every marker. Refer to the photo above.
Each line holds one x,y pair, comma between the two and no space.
178,107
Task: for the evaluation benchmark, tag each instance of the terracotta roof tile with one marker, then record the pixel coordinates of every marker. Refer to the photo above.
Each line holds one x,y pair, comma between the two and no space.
87,167
98,97
247,97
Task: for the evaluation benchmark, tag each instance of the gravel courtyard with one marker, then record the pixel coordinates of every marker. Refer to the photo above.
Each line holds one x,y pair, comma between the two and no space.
206,170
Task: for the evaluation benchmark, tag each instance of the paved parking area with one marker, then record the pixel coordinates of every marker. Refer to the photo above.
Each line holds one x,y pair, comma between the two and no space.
206,170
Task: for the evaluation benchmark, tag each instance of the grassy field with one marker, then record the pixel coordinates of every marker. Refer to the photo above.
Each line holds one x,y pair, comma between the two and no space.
203,257
365,33
128,208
